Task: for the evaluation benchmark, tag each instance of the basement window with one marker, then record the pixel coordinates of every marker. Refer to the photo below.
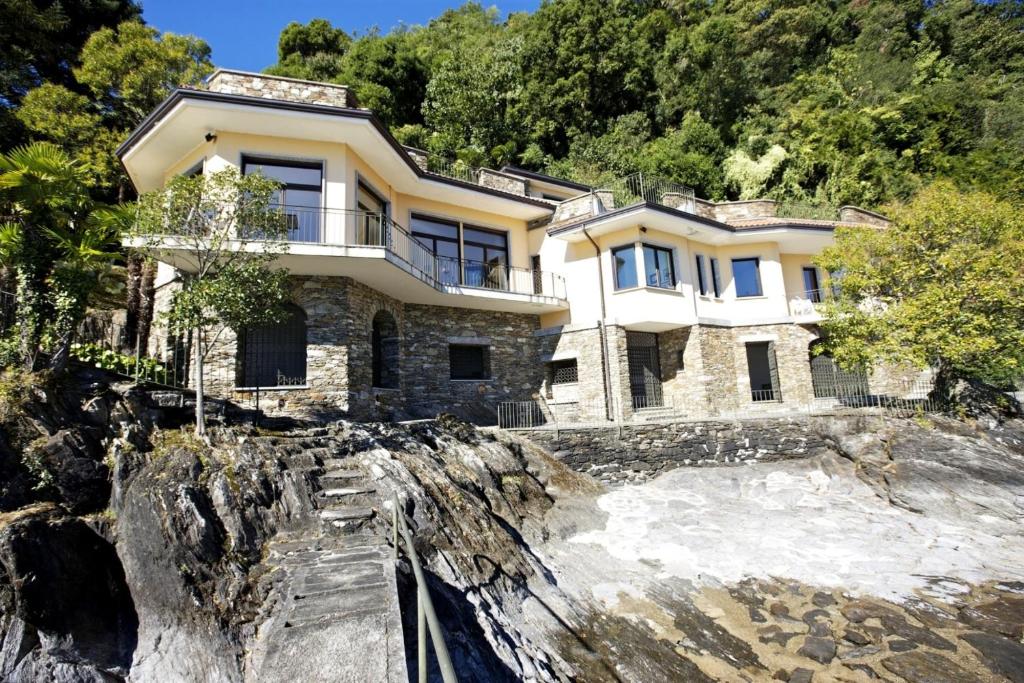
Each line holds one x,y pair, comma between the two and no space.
469,361
563,371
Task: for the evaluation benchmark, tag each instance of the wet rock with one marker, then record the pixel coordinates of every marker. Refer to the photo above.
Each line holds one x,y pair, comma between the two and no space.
774,634
1001,655
925,667
801,676
756,616
820,629
899,626
822,650
899,645
813,615
860,652
857,611
929,614
1004,616
863,668
820,599
855,637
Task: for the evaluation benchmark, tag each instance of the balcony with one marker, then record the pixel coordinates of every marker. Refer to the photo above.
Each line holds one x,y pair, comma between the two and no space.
643,187
340,242
806,307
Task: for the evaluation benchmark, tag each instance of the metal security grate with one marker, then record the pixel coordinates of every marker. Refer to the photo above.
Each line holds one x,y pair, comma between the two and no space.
469,361
644,369
274,355
564,371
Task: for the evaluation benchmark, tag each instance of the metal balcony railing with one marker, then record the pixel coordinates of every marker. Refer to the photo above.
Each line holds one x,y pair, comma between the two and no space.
344,227
449,168
643,187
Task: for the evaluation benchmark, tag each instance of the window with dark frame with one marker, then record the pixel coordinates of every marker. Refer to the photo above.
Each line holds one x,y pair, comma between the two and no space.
371,222
659,267
746,274
702,276
486,257
469,361
299,196
716,278
441,237
624,263
563,371
812,286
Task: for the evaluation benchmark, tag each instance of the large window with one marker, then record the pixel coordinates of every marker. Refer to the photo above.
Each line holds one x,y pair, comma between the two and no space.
746,273
469,361
442,238
624,262
274,355
486,256
659,267
299,196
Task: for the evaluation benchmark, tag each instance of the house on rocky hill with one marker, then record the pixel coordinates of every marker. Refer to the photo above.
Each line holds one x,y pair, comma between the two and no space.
422,286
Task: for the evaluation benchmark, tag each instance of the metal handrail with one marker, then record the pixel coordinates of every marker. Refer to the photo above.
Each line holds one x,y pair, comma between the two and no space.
424,605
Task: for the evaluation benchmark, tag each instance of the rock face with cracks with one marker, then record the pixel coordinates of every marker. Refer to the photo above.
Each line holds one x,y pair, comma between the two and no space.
894,555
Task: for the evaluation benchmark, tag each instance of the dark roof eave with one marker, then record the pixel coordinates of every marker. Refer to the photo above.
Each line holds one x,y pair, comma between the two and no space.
205,95
710,222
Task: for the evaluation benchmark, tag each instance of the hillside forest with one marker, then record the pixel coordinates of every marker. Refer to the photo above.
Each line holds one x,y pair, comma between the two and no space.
821,102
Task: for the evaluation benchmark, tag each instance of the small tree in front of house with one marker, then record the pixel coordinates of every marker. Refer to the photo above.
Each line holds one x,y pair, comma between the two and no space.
943,286
225,233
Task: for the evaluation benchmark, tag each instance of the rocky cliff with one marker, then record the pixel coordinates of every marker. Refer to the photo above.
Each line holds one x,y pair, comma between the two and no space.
131,551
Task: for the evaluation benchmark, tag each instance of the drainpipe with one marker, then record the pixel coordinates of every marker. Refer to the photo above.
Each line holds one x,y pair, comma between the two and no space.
605,364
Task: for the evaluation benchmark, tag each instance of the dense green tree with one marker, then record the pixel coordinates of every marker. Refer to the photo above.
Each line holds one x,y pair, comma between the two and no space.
895,302
58,242
126,72
692,154
312,51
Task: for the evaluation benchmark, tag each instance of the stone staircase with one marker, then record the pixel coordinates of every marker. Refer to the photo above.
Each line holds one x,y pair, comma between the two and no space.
334,612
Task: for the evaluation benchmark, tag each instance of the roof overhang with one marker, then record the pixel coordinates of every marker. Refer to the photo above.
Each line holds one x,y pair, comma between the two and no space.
181,122
794,238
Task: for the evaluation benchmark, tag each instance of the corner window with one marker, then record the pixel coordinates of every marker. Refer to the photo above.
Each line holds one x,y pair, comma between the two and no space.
624,262
702,276
716,279
659,267
469,361
746,273
486,258
563,371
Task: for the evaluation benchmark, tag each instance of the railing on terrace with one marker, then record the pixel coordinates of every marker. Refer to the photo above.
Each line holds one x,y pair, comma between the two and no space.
837,394
344,227
642,187
449,168
809,302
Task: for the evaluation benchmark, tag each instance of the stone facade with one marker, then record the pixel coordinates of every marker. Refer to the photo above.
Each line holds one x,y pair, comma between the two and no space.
639,452
496,180
584,399
280,88
339,374
855,214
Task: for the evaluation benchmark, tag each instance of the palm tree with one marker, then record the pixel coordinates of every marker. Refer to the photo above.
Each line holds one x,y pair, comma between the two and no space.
58,243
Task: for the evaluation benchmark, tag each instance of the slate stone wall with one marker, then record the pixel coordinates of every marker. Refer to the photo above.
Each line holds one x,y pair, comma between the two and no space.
637,453
280,88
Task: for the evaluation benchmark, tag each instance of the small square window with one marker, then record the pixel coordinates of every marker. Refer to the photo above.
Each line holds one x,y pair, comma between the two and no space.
564,371
469,361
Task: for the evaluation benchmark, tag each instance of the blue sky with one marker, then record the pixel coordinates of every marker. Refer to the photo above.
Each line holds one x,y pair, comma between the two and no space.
243,35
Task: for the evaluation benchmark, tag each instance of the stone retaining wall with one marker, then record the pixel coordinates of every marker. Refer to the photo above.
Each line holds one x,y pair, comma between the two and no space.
640,452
